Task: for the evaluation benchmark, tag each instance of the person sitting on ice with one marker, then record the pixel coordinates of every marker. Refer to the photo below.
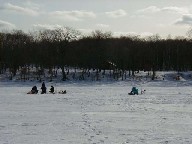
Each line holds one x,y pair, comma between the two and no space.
134,91
43,88
51,89
33,90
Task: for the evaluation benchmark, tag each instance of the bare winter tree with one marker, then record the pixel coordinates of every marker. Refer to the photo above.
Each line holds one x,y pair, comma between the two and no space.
98,34
63,36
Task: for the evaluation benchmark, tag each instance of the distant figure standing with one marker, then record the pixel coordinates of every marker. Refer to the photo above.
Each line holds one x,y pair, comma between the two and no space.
43,88
51,89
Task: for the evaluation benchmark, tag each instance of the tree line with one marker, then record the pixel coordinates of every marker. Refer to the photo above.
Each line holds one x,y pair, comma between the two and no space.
66,47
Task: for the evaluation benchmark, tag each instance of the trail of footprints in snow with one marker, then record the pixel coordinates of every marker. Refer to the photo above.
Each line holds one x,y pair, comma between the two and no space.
90,131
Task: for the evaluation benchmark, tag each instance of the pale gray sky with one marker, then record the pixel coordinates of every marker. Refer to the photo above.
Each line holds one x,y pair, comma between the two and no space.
143,17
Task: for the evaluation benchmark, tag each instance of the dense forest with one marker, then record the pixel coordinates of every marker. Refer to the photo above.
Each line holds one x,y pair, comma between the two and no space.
66,47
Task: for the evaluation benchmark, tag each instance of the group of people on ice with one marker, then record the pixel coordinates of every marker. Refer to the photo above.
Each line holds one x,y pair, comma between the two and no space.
34,90
44,90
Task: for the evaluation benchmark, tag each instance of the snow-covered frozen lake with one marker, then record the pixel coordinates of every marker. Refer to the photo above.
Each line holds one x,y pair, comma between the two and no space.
96,114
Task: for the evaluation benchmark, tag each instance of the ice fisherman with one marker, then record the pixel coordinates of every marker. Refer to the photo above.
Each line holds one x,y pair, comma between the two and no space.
51,89
33,90
43,88
134,91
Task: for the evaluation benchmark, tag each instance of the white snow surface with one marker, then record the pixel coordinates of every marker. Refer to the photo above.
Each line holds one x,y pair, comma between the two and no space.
97,113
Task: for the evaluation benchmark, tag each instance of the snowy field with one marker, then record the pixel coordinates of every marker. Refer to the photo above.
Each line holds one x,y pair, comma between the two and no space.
97,113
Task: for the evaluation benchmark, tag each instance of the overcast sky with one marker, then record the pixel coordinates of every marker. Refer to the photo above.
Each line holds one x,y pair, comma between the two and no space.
142,17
